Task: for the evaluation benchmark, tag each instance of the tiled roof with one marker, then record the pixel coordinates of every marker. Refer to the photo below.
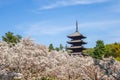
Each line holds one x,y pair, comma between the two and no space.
75,34
72,41
74,47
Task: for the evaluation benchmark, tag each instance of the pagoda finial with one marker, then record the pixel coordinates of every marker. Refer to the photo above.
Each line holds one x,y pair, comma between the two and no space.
76,26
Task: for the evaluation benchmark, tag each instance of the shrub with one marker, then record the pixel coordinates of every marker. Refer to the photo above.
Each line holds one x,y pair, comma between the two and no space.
118,59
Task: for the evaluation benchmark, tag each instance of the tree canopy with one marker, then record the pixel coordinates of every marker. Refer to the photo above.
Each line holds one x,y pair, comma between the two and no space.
99,49
51,47
9,37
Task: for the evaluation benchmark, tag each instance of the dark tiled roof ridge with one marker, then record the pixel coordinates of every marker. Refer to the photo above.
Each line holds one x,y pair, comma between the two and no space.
75,34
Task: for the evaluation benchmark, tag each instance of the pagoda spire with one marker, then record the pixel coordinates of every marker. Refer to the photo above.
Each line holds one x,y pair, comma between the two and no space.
76,26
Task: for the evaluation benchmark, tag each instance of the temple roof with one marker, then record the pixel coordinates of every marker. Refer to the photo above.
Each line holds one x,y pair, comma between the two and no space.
76,34
75,47
76,41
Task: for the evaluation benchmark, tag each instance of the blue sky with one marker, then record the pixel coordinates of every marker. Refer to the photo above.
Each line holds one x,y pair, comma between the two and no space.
50,21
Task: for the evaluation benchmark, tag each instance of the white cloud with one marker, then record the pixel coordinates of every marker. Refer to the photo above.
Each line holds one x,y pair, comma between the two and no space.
37,30
107,31
43,28
61,3
47,28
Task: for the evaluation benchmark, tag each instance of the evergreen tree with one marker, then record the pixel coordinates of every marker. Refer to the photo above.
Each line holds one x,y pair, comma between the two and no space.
51,47
10,38
99,50
57,49
61,47
89,51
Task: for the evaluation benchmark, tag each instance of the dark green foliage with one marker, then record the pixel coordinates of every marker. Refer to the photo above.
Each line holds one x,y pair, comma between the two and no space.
57,49
89,51
99,50
107,50
116,50
113,50
118,59
51,47
10,38
61,47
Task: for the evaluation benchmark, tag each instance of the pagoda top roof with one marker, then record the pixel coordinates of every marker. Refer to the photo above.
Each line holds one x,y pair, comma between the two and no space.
75,34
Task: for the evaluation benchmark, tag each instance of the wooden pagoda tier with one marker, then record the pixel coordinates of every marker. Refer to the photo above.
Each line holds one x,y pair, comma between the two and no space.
76,48
76,35
76,41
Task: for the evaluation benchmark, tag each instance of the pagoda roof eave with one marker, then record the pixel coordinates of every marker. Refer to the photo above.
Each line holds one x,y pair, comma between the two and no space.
75,34
75,47
76,41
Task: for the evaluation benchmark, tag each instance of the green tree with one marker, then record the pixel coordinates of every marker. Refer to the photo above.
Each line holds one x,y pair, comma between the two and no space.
51,47
57,49
61,47
99,50
113,50
89,51
109,50
116,50
10,38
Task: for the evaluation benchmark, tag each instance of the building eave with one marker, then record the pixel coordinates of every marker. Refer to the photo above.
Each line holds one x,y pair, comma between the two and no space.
76,41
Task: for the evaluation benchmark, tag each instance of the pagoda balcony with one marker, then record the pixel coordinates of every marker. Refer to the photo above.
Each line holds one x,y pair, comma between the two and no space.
75,47
76,41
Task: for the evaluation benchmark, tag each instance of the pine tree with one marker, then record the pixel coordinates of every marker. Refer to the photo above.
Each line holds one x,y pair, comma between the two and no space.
99,50
10,38
61,47
51,47
57,49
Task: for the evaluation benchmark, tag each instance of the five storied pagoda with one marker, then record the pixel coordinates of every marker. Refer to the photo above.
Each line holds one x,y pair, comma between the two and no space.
76,41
